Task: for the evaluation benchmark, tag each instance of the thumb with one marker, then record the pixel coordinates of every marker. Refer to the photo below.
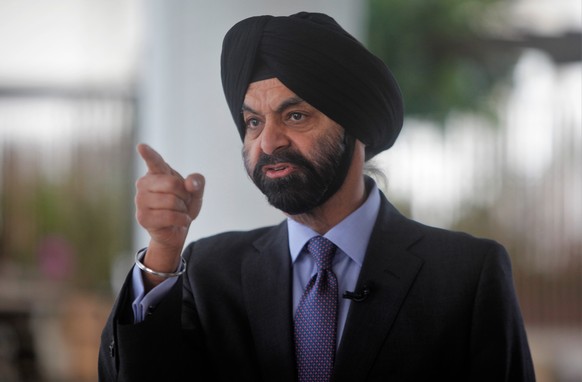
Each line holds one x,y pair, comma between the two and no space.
194,184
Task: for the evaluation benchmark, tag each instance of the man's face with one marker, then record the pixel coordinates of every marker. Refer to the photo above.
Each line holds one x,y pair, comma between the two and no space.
292,151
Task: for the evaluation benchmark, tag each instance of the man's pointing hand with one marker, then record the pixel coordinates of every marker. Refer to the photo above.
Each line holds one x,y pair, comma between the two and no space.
166,204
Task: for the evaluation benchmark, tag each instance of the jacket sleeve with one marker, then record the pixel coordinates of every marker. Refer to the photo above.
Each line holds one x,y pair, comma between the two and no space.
499,347
159,348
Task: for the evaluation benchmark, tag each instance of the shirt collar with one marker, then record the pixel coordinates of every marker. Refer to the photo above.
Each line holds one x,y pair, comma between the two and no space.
351,235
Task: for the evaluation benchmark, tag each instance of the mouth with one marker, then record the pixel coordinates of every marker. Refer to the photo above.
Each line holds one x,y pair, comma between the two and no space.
278,170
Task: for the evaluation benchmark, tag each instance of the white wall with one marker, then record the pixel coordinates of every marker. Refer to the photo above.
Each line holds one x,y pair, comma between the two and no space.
183,113
68,42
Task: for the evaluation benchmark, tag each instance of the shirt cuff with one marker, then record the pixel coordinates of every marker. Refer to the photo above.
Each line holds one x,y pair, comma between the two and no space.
143,304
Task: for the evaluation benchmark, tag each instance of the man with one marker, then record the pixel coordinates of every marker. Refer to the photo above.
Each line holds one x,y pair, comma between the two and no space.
346,289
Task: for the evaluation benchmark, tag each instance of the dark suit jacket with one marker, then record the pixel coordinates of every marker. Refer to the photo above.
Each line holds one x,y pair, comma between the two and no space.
442,307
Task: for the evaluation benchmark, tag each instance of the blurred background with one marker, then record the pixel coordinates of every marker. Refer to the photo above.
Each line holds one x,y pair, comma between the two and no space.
492,145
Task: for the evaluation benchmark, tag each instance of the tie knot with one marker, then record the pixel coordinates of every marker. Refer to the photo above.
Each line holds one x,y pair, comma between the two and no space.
322,251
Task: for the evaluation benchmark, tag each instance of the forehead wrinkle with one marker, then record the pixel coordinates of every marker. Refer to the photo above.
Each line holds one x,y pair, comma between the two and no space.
293,101
247,108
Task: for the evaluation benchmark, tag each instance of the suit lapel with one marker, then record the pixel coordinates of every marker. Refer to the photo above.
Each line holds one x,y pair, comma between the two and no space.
266,280
391,270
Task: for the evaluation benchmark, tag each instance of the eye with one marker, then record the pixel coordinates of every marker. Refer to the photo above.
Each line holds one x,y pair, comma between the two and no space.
296,116
252,123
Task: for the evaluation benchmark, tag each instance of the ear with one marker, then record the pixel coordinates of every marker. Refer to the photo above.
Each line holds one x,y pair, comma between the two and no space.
359,152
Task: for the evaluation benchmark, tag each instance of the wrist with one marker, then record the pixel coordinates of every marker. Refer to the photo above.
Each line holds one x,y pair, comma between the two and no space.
164,275
162,258
156,267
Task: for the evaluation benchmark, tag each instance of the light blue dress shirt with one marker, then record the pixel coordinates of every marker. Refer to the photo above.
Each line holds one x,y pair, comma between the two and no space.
351,236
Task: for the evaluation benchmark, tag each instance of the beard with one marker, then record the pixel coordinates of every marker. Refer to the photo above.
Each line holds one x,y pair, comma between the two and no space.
312,182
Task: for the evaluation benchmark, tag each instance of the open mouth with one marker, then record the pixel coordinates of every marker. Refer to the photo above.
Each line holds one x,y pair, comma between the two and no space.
278,170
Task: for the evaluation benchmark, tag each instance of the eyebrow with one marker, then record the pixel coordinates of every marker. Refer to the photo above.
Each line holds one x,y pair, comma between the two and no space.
293,101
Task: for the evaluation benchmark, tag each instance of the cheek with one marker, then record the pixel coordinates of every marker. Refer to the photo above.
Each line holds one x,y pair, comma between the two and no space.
309,147
250,155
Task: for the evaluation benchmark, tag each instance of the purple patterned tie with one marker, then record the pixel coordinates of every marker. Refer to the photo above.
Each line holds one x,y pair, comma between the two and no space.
315,319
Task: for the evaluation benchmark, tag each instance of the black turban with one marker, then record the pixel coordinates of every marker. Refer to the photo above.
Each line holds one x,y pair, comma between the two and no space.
312,55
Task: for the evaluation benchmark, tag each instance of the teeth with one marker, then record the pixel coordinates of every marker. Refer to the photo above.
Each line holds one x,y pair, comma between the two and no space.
276,167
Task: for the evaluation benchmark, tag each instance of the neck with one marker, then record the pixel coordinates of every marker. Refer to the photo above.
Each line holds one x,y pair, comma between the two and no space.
350,196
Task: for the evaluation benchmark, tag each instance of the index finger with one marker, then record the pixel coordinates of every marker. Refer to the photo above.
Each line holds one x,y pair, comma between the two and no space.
153,160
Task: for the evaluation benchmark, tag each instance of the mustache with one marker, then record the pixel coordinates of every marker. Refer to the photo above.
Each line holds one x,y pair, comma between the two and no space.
284,156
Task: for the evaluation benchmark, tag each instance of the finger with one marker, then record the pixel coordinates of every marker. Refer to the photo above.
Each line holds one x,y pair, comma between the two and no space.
153,160
163,184
158,201
195,184
153,220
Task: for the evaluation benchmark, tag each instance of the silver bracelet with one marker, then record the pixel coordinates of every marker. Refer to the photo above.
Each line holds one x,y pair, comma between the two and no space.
141,266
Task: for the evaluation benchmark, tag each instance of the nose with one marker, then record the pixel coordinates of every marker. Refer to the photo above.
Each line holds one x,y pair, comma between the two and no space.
273,137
